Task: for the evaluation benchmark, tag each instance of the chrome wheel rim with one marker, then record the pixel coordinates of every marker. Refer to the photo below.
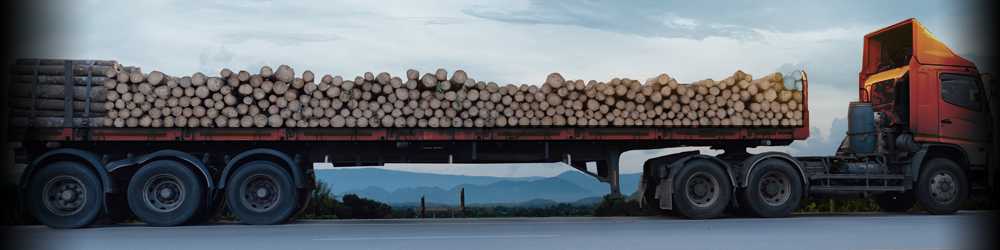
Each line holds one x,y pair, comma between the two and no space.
702,189
64,195
943,188
163,193
260,193
774,188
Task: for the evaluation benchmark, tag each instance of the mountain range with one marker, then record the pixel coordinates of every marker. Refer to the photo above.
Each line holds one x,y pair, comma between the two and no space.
403,187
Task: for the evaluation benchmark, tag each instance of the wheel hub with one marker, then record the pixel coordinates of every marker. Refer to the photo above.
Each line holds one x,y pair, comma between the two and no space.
772,188
260,193
700,189
163,193
67,195
703,189
775,188
166,193
64,195
942,187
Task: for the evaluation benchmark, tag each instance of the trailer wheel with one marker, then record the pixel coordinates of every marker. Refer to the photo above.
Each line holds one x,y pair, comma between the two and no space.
774,189
941,187
165,193
702,191
65,195
895,202
261,193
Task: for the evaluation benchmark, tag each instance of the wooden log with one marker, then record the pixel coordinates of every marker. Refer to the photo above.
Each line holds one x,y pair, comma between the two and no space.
59,80
44,61
459,77
54,122
59,70
54,105
53,113
98,93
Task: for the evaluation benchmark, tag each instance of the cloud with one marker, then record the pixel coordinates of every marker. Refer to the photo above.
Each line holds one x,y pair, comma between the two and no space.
278,38
681,23
820,144
643,18
216,56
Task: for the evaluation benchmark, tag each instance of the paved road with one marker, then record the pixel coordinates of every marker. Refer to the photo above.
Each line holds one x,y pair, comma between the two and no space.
871,231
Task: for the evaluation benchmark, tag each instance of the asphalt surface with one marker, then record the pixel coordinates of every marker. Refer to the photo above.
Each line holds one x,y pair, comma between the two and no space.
855,231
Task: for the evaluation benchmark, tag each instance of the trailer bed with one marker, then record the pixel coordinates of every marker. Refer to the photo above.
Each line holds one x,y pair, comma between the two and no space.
414,134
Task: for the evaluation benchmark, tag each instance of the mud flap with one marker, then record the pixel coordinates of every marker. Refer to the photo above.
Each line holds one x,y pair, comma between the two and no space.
641,190
664,192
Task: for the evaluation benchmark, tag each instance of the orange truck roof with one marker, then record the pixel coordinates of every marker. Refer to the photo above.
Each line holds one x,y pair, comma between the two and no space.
926,48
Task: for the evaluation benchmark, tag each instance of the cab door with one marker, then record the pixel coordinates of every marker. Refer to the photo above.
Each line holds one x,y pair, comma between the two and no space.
962,113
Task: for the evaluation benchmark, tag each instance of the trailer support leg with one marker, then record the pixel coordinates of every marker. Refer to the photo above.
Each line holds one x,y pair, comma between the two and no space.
613,160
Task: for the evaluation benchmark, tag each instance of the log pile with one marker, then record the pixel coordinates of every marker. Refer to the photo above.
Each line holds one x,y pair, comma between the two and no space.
278,97
37,92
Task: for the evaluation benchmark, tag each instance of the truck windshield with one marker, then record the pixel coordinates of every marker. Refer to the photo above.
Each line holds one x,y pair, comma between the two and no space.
895,48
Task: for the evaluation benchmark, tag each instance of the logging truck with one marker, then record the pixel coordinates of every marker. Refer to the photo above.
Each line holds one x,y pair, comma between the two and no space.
919,133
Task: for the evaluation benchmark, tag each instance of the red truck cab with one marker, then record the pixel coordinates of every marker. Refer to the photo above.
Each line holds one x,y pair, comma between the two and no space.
932,110
922,87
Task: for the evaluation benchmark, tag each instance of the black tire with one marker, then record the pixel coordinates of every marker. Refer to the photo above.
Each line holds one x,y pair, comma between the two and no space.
261,193
165,193
65,195
702,190
774,189
895,202
941,187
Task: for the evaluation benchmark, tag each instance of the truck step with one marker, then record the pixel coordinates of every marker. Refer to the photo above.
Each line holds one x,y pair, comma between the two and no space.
855,188
857,176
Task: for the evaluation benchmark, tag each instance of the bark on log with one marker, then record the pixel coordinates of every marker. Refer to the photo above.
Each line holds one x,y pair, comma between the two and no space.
59,70
55,122
97,93
53,104
50,79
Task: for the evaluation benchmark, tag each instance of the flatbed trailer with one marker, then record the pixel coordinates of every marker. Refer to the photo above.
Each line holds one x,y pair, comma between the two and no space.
116,154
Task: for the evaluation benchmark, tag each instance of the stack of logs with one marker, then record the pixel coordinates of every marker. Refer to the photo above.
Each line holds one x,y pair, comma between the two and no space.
37,92
128,97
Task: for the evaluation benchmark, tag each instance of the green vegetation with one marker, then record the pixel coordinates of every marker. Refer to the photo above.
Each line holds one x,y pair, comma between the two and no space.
617,205
838,205
557,210
325,206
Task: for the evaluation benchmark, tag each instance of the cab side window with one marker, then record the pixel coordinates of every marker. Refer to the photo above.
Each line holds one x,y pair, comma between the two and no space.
962,91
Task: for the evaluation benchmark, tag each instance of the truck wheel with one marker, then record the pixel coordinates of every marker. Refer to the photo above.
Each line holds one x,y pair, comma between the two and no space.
941,187
165,193
895,202
774,189
702,190
261,193
65,195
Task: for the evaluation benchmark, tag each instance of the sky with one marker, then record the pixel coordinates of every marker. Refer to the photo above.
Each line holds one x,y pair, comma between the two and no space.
513,41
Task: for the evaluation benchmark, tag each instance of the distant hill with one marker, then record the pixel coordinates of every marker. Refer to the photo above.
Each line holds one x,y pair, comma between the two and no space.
401,187
344,179
629,182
